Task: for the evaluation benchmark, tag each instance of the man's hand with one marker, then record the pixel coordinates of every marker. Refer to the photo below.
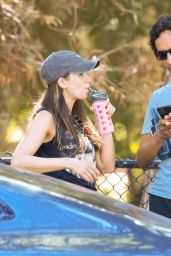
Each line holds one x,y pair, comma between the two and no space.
165,127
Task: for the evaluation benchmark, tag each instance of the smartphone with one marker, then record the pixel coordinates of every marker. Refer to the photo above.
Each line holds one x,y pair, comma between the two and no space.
164,110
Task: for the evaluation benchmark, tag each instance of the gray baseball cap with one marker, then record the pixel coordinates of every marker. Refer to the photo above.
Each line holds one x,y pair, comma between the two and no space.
60,63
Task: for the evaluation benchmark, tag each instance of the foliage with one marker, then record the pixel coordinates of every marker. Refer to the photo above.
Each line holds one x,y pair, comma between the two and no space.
115,31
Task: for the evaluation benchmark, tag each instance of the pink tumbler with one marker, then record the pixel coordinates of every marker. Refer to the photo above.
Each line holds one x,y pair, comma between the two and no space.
99,107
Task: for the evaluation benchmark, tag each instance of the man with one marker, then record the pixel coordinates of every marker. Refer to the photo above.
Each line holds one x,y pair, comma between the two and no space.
156,132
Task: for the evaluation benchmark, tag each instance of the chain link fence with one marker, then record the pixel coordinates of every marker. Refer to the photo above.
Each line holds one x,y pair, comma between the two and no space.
128,183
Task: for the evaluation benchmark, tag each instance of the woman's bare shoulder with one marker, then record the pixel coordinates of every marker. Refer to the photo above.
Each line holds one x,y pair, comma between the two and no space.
44,115
43,123
44,119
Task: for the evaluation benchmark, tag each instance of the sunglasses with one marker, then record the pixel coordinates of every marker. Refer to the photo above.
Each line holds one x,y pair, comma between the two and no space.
162,55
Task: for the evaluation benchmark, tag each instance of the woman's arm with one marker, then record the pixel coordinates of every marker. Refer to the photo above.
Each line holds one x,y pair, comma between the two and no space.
41,130
105,157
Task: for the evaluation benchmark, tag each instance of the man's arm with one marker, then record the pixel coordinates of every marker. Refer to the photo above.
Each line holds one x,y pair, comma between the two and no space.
149,148
151,144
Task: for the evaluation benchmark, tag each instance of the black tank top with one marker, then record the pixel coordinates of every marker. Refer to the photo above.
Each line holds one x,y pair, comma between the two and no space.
51,149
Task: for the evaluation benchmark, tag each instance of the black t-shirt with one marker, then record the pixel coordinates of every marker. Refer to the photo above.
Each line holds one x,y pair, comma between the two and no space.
51,150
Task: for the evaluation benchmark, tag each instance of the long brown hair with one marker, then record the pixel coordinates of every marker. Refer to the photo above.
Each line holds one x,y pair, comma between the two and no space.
53,101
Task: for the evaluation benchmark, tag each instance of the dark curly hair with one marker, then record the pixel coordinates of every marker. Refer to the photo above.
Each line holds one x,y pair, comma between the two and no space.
163,23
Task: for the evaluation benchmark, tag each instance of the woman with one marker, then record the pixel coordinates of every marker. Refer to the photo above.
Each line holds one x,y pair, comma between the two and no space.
61,141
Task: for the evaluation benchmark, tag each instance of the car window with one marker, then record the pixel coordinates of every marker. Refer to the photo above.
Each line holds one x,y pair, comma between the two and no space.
6,212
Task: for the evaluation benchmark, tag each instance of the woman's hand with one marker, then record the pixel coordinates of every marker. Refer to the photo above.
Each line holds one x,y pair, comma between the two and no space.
110,109
85,170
